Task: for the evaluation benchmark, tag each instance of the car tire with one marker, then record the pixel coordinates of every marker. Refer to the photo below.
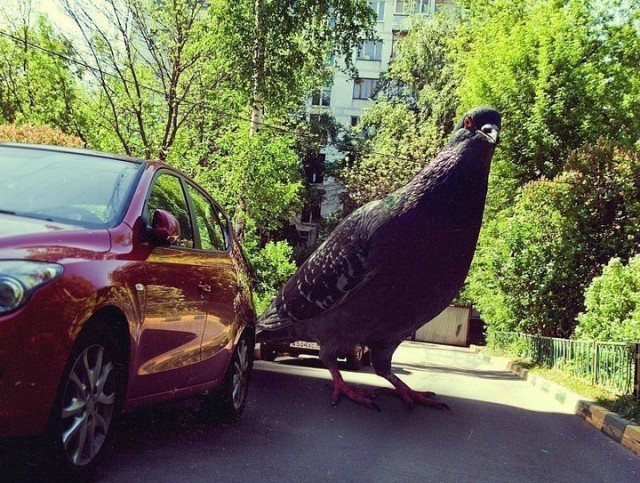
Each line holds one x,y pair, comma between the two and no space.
355,357
228,402
88,406
366,359
268,353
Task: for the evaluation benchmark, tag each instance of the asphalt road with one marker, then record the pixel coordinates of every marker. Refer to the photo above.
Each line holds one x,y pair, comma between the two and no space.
499,429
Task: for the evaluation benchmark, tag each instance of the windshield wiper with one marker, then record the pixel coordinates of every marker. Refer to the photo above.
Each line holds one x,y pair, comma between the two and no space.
28,215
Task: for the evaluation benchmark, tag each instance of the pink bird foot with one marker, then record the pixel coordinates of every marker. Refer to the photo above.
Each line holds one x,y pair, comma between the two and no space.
411,397
366,398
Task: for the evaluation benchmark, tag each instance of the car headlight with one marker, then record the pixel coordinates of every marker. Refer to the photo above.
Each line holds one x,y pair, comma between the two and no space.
19,279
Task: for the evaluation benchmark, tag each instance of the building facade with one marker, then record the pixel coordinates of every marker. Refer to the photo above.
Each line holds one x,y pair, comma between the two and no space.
347,98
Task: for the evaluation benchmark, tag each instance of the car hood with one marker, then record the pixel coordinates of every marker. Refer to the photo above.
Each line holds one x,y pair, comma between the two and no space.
30,238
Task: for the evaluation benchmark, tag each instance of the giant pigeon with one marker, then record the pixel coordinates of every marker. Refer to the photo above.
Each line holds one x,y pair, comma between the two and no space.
393,264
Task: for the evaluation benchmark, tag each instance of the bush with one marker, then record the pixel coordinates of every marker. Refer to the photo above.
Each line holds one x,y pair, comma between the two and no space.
612,303
27,133
272,267
527,276
536,258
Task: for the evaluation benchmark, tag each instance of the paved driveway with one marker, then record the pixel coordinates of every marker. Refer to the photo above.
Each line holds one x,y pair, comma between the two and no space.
499,429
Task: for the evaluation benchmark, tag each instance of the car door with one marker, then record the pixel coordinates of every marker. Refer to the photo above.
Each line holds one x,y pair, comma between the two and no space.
175,287
213,238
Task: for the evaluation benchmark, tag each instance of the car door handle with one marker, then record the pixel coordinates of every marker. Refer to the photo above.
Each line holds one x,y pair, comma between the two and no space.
204,287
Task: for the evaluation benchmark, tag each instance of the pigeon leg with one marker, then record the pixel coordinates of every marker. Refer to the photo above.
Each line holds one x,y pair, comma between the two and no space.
340,387
411,397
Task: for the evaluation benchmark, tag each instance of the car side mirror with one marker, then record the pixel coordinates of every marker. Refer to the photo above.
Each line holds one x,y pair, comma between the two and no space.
165,229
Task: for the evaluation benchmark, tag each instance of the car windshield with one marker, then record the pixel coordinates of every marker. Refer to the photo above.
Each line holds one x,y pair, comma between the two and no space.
72,188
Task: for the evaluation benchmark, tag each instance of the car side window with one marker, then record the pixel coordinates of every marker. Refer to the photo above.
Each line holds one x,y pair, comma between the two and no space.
167,194
208,225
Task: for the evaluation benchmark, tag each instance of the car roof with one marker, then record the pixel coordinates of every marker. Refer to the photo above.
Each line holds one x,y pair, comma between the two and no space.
83,151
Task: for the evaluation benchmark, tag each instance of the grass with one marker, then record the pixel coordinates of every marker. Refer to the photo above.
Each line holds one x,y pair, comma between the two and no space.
622,404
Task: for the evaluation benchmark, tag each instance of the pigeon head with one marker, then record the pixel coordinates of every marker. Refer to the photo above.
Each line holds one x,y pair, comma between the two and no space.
482,123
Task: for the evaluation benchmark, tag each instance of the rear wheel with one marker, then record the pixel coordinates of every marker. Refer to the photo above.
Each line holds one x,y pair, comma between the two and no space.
354,358
268,353
366,359
228,402
88,406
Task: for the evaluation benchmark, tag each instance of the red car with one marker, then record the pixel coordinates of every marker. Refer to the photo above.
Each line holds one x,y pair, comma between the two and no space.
121,285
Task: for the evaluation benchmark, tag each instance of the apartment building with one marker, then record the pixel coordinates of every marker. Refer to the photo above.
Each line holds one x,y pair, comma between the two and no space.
347,98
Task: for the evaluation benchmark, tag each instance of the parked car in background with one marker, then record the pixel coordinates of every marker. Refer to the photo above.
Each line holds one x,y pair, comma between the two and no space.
354,358
121,285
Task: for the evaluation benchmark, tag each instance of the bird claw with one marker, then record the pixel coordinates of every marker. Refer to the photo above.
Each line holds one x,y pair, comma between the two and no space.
359,396
411,397
397,393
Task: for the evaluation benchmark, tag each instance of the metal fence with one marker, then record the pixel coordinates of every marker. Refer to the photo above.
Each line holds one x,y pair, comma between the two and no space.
613,365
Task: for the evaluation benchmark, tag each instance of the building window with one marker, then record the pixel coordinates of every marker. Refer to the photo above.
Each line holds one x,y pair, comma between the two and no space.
370,50
355,120
364,88
398,35
377,7
407,7
322,98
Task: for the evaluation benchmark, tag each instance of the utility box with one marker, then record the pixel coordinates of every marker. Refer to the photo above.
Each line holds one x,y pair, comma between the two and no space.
450,327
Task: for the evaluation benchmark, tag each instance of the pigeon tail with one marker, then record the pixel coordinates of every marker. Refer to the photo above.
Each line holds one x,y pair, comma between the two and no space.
273,318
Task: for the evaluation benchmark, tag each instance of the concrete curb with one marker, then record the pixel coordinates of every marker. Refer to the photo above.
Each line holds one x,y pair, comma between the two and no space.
616,427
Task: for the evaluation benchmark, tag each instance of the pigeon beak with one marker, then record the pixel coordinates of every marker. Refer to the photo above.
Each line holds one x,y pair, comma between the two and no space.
491,132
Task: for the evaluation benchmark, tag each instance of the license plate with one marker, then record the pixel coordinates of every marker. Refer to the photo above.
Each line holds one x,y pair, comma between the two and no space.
303,344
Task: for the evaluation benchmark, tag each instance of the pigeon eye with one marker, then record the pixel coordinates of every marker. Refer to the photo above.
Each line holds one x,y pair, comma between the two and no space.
468,122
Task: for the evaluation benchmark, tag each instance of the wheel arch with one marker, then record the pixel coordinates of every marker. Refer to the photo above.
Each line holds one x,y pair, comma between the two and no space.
115,321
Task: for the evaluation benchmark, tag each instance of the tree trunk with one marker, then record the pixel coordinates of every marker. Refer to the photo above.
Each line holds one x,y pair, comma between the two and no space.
258,71
256,107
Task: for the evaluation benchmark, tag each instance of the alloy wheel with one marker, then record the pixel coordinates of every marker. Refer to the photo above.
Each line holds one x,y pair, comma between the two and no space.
88,404
240,373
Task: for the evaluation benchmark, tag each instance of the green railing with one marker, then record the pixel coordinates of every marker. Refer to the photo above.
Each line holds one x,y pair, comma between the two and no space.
609,364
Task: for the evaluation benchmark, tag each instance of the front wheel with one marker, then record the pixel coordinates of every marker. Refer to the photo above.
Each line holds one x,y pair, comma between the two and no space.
87,408
228,402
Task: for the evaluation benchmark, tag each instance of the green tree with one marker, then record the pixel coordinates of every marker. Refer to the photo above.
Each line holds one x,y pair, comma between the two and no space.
277,50
388,158
264,169
36,87
425,63
150,62
562,73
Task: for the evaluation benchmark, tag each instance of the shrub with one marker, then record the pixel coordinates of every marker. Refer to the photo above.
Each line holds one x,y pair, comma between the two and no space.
612,303
27,133
536,258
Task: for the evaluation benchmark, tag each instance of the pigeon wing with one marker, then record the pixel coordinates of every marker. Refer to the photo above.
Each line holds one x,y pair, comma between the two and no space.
333,273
